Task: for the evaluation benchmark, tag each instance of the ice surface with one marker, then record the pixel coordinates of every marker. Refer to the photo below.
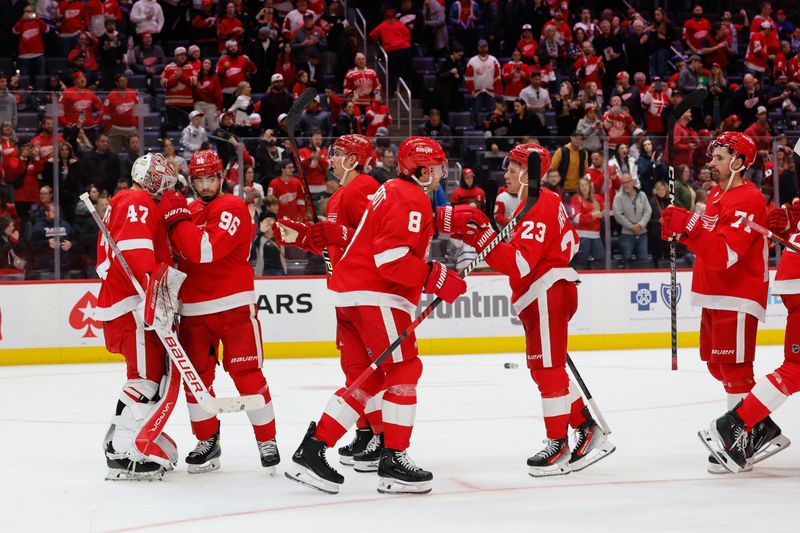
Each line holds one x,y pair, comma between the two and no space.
477,422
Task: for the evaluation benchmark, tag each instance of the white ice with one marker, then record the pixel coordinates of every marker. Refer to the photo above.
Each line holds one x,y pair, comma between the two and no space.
477,422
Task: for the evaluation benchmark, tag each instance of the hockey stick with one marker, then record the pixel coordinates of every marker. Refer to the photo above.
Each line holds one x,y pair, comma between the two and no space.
291,124
176,353
588,395
491,201
769,234
689,101
534,186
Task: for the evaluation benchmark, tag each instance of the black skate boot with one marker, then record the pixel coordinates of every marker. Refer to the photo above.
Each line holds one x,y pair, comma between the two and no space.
123,468
591,444
270,457
552,460
397,474
310,467
358,444
728,441
767,440
205,456
367,461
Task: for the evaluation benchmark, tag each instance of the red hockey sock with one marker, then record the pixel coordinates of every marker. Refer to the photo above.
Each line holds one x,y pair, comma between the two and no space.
362,422
252,381
399,404
767,395
339,415
553,385
576,416
737,378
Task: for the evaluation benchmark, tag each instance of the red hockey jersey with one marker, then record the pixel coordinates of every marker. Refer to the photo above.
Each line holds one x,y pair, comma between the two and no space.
385,263
234,69
787,279
347,205
291,198
179,89
136,226
363,83
314,170
213,250
31,42
119,109
539,252
73,18
77,103
730,271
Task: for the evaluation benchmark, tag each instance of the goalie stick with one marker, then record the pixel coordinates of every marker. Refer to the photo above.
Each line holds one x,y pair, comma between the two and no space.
169,339
769,234
689,101
293,117
534,186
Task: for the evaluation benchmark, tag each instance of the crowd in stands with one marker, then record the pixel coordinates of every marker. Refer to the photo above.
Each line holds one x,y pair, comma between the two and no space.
594,84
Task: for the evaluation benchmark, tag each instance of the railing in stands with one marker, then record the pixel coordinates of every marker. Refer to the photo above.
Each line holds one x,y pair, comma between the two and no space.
361,28
382,66
403,94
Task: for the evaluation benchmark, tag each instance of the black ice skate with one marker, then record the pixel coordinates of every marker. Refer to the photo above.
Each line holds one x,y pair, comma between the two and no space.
552,460
367,461
310,467
358,444
728,442
767,440
205,456
591,444
397,474
121,468
268,450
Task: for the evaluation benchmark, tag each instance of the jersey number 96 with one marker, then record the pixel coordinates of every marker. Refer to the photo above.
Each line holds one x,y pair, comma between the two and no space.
229,223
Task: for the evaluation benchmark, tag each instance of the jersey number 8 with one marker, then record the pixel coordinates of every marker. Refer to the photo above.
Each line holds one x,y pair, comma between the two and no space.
229,223
414,221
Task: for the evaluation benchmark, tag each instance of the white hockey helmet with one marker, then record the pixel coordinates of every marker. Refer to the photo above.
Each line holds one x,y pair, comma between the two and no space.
154,173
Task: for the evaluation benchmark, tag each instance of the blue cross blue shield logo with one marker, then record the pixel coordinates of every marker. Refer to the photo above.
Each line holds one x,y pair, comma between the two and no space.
665,294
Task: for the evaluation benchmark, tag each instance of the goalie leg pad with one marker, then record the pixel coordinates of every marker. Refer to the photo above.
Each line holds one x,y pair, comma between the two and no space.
161,300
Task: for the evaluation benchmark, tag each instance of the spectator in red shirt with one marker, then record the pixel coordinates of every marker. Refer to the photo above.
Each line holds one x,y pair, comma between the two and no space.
655,100
233,68
204,28
716,48
376,116
229,27
86,47
696,29
759,131
467,191
527,45
119,113
285,65
395,38
289,192
685,142
618,123
83,110
362,82
516,75
179,79
72,21
589,67
586,210
314,159
31,43
759,52
562,28
208,95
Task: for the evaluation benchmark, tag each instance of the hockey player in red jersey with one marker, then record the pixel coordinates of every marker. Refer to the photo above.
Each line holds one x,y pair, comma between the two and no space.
730,276
376,286
545,296
133,222
218,304
348,156
746,434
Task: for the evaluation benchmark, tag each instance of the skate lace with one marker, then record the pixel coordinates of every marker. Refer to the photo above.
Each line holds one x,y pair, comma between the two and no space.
268,447
580,436
551,447
203,447
405,460
373,444
740,442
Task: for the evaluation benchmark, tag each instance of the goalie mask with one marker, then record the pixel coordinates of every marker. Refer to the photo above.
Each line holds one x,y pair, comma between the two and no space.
153,173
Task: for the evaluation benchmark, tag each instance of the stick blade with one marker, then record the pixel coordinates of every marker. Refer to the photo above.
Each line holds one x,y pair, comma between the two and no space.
233,405
297,108
534,175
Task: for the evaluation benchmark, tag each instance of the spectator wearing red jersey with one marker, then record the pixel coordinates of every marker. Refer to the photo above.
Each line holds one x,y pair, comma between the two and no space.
204,28
765,15
482,81
618,123
376,116
562,28
395,38
314,159
86,47
208,94
516,75
83,110
655,101
179,78
72,21
468,191
597,175
759,131
233,68
229,27
696,29
119,113
289,192
362,82
300,84
43,142
586,210
685,142
527,45
111,10
30,51
758,51
25,180
589,67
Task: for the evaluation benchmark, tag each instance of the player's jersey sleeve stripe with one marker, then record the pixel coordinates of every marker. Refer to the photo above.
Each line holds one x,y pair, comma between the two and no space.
206,252
733,257
392,254
522,265
135,244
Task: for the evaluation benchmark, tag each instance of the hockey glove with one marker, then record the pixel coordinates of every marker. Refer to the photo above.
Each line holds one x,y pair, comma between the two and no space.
794,215
324,234
778,220
444,283
174,208
677,221
460,219
291,233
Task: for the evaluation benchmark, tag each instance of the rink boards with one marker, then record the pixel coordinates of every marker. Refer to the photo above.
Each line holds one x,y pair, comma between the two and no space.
52,322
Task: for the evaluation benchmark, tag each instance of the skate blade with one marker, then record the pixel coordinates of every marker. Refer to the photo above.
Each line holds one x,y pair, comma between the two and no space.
776,445
306,477
270,470
366,467
124,475
710,440
346,460
558,469
388,485
208,466
600,452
